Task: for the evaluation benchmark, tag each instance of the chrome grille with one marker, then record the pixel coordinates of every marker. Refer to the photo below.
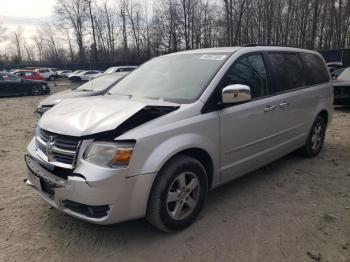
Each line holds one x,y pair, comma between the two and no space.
58,149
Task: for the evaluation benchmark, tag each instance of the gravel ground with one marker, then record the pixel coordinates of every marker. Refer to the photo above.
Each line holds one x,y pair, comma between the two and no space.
295,209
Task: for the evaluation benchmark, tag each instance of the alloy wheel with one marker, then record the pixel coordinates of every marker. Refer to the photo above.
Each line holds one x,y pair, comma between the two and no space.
183,195
317,136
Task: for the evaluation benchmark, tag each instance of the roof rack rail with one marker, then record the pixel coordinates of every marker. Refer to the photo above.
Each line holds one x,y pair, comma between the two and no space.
261,44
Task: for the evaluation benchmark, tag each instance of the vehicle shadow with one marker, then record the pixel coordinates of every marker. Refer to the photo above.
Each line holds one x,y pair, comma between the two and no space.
236,198
345,109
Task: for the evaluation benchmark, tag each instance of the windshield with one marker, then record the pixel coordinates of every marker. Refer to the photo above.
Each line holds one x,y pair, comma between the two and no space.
177,78
100,83
345,75
110,70
77,72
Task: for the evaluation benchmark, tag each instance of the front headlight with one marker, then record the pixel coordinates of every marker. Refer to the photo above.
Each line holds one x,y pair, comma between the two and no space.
109,154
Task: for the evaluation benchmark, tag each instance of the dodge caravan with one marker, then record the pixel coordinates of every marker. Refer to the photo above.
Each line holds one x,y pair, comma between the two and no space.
177,127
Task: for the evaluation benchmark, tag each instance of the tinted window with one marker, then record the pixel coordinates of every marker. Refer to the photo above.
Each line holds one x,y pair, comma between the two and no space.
287,71
315,70
250,71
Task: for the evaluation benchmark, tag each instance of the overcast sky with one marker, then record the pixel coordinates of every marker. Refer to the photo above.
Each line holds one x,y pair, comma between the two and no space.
26,8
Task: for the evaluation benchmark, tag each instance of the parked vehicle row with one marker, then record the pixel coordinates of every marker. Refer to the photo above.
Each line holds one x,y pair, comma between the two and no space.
180,125
79,75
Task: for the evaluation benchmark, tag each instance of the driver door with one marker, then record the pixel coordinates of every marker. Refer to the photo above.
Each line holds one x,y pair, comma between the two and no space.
248,130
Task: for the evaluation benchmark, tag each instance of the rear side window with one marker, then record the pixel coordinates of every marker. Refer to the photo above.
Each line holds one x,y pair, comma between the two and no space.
287,71
315,69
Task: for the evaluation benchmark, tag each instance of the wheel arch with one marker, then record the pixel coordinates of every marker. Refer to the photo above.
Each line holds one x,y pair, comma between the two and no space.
202,156
325,115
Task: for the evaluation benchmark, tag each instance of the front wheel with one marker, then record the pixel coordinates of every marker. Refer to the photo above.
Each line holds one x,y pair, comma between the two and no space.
178,194
315,140
36,90
52,78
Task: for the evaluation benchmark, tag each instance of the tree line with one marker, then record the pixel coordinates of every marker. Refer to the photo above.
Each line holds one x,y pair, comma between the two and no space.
95,31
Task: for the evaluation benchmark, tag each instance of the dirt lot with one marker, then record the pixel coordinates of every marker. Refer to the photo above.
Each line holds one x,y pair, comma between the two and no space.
295,209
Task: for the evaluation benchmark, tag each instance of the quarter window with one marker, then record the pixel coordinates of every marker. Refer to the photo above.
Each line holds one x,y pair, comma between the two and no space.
287,70
250,71
315,69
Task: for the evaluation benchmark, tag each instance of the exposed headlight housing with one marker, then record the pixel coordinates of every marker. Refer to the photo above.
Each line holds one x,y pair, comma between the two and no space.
42,109
109,154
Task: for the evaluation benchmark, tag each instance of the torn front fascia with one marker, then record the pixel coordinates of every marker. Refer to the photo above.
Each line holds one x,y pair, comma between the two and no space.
143,116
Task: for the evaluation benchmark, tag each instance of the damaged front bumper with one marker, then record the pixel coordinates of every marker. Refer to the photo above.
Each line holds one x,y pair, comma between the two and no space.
89,192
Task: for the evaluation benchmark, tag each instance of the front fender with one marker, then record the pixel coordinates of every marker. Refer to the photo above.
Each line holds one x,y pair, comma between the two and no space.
172,146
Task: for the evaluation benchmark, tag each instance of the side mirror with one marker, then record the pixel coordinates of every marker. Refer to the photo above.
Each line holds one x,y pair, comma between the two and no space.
233,94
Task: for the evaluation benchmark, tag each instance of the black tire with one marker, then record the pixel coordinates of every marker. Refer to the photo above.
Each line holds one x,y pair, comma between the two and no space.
158,210
52,78
36,90
48,90
315,140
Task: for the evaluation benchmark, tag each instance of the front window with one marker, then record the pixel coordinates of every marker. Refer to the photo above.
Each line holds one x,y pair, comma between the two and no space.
100,83
109,70
179,78
345,75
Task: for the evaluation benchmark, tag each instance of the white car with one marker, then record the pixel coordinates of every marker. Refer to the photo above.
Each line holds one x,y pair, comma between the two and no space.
84,75
47,73
63,73
117,69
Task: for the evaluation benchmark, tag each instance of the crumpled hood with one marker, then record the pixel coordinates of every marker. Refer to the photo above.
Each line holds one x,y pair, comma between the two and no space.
91,115
58,97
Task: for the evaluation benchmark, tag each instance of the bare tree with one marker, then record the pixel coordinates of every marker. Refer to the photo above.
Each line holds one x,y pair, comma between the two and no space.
74,14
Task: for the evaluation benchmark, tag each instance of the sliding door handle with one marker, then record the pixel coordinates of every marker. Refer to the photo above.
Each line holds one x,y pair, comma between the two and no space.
283,104
269,108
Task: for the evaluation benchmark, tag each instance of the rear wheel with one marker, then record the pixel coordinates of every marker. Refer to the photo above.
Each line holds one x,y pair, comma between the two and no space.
315,140
51,78
178,194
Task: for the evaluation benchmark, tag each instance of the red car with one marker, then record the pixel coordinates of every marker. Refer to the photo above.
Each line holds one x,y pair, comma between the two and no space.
28,75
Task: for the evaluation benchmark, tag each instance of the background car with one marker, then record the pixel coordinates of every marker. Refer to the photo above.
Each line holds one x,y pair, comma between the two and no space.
337,72
95,87
74,72
84,75
28,75
63,73
117,69
11,85
333,66
47,73
342,88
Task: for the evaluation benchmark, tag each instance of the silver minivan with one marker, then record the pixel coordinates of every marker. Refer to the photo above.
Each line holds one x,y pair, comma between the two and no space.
177,127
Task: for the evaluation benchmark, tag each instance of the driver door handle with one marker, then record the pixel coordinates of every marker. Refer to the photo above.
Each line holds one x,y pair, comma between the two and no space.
269,108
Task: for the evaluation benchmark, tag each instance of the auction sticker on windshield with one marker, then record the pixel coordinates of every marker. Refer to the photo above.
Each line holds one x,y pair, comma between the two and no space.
213,57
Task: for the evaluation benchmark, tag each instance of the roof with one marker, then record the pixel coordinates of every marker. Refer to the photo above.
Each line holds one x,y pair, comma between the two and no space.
237,48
